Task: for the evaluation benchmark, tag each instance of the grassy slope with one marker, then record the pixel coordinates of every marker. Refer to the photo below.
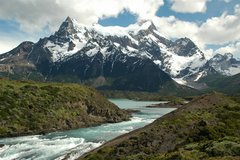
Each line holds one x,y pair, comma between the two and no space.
105,85
30,107
178,90
229,85
144,96
206,128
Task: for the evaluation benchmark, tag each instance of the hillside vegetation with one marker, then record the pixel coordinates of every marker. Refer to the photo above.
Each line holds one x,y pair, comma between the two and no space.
228,85
32,108
146,96
206,128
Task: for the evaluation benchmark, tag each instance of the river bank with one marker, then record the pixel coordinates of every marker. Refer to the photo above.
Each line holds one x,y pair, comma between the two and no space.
73,143
28,108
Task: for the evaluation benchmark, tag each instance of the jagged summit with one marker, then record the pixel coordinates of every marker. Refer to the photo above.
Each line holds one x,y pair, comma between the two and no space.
185,47
183,41
222,57
147,24
228,55
66,28
144,25
89,51
68,19
225,64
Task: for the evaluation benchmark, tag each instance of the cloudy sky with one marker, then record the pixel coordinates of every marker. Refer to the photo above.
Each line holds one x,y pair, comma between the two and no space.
214,25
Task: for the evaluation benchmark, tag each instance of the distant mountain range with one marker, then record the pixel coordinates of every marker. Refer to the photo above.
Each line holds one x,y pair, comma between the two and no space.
136,57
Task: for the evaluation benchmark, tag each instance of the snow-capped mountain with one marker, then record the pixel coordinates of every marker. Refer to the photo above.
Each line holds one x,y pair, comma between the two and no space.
87,52
140,40
225,64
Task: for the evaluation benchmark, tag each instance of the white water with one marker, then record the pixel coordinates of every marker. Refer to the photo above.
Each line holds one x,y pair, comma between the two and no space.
74,143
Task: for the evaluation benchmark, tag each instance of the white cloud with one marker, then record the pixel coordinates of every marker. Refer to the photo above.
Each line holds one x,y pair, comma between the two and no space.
145,9
233,48
221,30
173,28
34,15
10,40
237,9
209,53
7,44
189,6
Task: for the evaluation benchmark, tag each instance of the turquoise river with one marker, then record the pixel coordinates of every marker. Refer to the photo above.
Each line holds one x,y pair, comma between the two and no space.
74,143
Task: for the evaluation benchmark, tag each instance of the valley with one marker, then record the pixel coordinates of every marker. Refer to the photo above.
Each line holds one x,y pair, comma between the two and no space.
73,143
140,91
205,128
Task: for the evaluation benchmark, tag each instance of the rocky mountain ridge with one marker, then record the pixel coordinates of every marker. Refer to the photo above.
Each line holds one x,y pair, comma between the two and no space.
88,52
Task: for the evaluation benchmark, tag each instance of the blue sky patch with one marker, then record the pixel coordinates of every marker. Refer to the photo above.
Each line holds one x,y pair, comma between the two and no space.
124,19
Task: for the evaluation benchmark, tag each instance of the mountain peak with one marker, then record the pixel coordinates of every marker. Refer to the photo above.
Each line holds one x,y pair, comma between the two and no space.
69,20
184,41
225,64
228,55
147,25
185,47
66,28
220,57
